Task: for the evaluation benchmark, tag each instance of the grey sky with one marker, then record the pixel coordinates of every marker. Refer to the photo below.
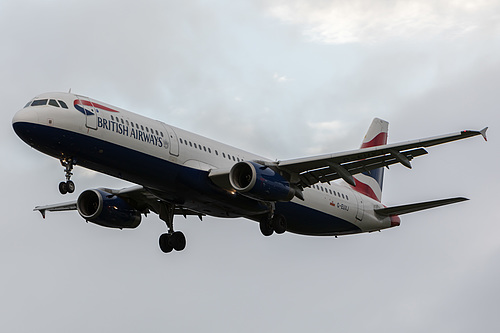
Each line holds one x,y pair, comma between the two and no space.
283,79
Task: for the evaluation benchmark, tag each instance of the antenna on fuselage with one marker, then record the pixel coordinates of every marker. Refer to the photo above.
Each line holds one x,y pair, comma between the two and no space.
69,91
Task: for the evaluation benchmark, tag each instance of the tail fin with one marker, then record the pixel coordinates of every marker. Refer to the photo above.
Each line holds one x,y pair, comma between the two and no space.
370,183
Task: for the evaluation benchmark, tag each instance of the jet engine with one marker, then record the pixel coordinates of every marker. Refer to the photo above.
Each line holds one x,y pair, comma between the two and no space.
260,182
107,210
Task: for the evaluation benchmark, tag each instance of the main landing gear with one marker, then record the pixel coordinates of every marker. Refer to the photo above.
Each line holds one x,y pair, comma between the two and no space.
172,240
68,186
276,223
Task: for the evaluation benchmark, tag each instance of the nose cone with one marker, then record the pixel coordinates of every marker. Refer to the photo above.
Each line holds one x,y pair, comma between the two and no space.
23,122
26,115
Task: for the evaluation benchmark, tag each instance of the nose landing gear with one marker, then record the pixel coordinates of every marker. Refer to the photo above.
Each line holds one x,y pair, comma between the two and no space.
68,186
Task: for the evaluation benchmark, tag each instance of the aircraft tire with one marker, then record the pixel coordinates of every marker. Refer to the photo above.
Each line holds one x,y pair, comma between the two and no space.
70,186
265,227
279,224
178,241
63,188
164,242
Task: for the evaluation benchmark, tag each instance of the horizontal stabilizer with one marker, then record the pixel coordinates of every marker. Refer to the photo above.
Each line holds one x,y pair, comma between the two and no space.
405,209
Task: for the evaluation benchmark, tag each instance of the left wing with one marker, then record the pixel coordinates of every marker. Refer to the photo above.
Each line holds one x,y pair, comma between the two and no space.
324,168
304,172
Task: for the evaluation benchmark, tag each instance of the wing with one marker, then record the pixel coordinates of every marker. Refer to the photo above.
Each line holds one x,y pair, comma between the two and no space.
304,172
140,198
307,171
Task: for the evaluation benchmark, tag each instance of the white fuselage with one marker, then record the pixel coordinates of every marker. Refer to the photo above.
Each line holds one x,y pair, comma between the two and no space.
168,159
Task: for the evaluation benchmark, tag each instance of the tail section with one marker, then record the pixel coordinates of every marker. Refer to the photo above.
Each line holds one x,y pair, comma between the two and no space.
370,183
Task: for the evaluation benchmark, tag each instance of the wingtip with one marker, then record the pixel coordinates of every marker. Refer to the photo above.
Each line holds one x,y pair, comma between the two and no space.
483,133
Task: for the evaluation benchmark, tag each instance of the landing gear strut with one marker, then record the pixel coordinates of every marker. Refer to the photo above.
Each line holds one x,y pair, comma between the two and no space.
68,186
172,240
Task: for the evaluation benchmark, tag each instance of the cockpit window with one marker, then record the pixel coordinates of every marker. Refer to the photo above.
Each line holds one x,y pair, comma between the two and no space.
28,104
62,104
53,102
39,102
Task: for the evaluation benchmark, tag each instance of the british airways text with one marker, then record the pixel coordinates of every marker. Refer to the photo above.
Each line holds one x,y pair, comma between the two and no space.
122,129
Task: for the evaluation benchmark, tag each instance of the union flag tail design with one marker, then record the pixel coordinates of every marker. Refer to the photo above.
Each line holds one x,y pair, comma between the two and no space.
370,183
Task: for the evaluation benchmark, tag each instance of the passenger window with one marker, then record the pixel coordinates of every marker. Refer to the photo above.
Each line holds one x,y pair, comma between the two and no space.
190,143
53,102
142,127
157,132
204,148
112,118
216,153
161,134
199,146
346,197
147,129
195,145
180,140
39,102
126,122
209,151
234,159
223,155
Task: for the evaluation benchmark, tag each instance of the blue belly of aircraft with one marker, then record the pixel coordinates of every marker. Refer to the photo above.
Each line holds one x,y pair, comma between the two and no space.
188,187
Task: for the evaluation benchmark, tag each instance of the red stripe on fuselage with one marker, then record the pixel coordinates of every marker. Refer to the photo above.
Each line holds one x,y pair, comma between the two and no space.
379,140
96,105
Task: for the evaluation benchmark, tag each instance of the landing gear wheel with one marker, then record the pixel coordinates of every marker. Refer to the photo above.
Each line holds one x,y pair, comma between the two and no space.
70,186
165,243
178,241
173,240
279,224
265,227
63,187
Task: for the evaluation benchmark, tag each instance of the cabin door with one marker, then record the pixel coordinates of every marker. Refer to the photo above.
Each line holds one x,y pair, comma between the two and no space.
361,209
90,113
171,142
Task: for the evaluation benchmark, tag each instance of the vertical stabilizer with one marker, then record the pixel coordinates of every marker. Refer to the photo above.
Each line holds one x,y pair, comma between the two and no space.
370,183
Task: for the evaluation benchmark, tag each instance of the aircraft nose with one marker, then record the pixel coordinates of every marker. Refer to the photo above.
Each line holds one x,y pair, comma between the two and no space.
23,121
26,115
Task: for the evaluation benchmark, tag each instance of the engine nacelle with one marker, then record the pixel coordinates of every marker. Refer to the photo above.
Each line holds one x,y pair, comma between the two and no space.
260,182
107,210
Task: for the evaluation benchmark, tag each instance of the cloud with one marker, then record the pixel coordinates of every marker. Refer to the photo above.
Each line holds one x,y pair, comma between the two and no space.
340,22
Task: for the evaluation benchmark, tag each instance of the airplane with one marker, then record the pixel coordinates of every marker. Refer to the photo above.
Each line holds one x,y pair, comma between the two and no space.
177,172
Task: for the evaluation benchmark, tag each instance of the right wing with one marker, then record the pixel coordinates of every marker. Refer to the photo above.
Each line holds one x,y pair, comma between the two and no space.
138,197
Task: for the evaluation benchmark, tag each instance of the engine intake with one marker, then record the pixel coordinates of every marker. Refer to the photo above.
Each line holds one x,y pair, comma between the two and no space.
260,182
107,210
